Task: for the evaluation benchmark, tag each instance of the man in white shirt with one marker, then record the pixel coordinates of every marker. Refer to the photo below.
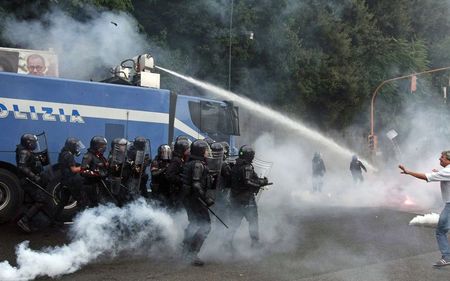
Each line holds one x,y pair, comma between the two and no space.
443,176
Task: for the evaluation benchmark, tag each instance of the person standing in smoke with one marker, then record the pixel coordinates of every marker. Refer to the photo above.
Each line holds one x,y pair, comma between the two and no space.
180,155
195,185
245,184
94,168
318,171
158,167
71,180
356,168
30,168
443,226
139,158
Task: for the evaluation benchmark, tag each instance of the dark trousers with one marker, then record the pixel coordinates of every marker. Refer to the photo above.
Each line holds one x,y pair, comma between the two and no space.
37,196
199,225
244,209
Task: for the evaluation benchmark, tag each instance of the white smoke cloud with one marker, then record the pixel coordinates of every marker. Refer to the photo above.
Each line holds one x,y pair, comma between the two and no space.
103,231
85,49
428,220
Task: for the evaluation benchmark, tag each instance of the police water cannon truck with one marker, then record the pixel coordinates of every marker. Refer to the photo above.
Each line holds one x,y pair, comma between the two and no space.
126,105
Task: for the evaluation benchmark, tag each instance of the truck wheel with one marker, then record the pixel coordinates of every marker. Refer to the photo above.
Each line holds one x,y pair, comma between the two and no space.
70,209
11,195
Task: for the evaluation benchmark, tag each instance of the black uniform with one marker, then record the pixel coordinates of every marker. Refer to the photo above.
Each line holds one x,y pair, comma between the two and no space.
71,183
195,179
245,184
222,202
174,170
119,170
160,184
94,168
137,180
30,166
173,177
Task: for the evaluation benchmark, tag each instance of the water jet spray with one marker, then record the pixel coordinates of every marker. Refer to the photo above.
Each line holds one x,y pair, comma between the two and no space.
269,113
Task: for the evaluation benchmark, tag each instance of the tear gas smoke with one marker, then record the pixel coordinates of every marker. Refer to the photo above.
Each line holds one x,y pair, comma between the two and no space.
428,220
86,50
270,114
103,231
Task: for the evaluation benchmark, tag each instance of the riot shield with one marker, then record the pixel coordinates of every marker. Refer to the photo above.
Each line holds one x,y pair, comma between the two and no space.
116,163
214,161
41,151
141,160
119,153
262,168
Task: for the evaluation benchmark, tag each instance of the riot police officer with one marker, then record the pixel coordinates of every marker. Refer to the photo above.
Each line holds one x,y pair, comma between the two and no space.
245,184
222,201
94,168
71,180
195,200
30,168
139,160
158,167
180,155
118,169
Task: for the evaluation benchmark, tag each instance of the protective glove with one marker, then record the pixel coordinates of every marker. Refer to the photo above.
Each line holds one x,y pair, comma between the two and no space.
264,181
209,201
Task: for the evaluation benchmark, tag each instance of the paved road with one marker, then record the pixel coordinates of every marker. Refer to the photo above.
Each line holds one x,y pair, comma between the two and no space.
335,244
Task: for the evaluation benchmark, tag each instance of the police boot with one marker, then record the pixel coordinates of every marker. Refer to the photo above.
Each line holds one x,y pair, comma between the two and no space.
196,261
24,224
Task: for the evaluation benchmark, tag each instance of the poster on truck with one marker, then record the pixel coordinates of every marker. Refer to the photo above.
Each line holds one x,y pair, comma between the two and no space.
33,62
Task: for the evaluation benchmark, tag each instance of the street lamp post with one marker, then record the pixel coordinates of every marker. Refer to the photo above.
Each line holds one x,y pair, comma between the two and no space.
372,136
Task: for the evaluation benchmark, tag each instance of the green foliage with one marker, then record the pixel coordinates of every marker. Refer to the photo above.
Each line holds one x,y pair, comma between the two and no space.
319,60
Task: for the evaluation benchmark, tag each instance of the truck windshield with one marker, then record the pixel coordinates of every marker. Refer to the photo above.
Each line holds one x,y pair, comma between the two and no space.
214,118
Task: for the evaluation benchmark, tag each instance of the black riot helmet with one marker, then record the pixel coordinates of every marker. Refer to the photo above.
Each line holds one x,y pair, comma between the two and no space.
140,143
246,153
226,149
216,147
74,145
164,152
119,146
199,149
98,144
119,141
180,147
215,159
29,141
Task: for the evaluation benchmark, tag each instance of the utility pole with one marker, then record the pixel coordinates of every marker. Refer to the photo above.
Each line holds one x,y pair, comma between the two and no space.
229,47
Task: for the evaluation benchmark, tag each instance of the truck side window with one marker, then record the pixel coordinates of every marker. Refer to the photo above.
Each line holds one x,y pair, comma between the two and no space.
215,118
113,131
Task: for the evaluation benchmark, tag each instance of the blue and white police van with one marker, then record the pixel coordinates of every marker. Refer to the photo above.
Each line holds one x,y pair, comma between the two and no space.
70,108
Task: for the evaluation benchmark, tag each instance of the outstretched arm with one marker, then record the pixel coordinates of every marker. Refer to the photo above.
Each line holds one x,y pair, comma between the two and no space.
414,174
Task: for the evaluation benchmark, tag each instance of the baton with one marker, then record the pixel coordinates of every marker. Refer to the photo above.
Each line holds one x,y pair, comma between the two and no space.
109,192
204,204
42,189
